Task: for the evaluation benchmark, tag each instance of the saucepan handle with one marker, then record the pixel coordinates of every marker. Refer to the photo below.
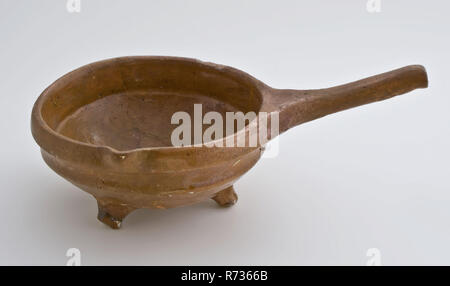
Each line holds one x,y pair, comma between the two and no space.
298,106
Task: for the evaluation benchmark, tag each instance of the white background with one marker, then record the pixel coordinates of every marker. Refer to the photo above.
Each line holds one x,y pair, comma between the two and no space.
372,177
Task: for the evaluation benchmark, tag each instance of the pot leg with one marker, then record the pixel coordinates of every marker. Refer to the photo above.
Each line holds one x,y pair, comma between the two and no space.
112,213
226,198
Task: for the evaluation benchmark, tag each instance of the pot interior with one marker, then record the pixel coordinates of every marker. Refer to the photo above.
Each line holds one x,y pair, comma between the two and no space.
128,103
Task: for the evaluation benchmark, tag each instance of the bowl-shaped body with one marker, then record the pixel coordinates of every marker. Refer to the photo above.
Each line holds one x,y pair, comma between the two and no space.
106,128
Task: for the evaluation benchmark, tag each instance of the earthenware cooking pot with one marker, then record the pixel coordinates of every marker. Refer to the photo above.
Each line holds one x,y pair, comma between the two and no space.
106,127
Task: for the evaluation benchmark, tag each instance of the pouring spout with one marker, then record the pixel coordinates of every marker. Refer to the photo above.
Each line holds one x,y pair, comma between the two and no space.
300,106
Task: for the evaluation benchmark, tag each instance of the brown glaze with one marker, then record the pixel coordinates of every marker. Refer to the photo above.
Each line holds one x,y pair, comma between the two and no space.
106,127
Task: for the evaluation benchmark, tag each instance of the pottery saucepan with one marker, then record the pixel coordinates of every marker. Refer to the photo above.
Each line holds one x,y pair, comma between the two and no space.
106,127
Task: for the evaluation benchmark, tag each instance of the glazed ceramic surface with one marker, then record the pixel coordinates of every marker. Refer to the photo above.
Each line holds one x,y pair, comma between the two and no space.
106,127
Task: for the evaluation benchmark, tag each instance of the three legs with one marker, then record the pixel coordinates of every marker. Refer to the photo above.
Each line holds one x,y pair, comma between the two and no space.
112,213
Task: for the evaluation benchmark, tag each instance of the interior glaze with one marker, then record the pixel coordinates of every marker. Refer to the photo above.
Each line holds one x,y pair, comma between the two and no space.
136,119
128,103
